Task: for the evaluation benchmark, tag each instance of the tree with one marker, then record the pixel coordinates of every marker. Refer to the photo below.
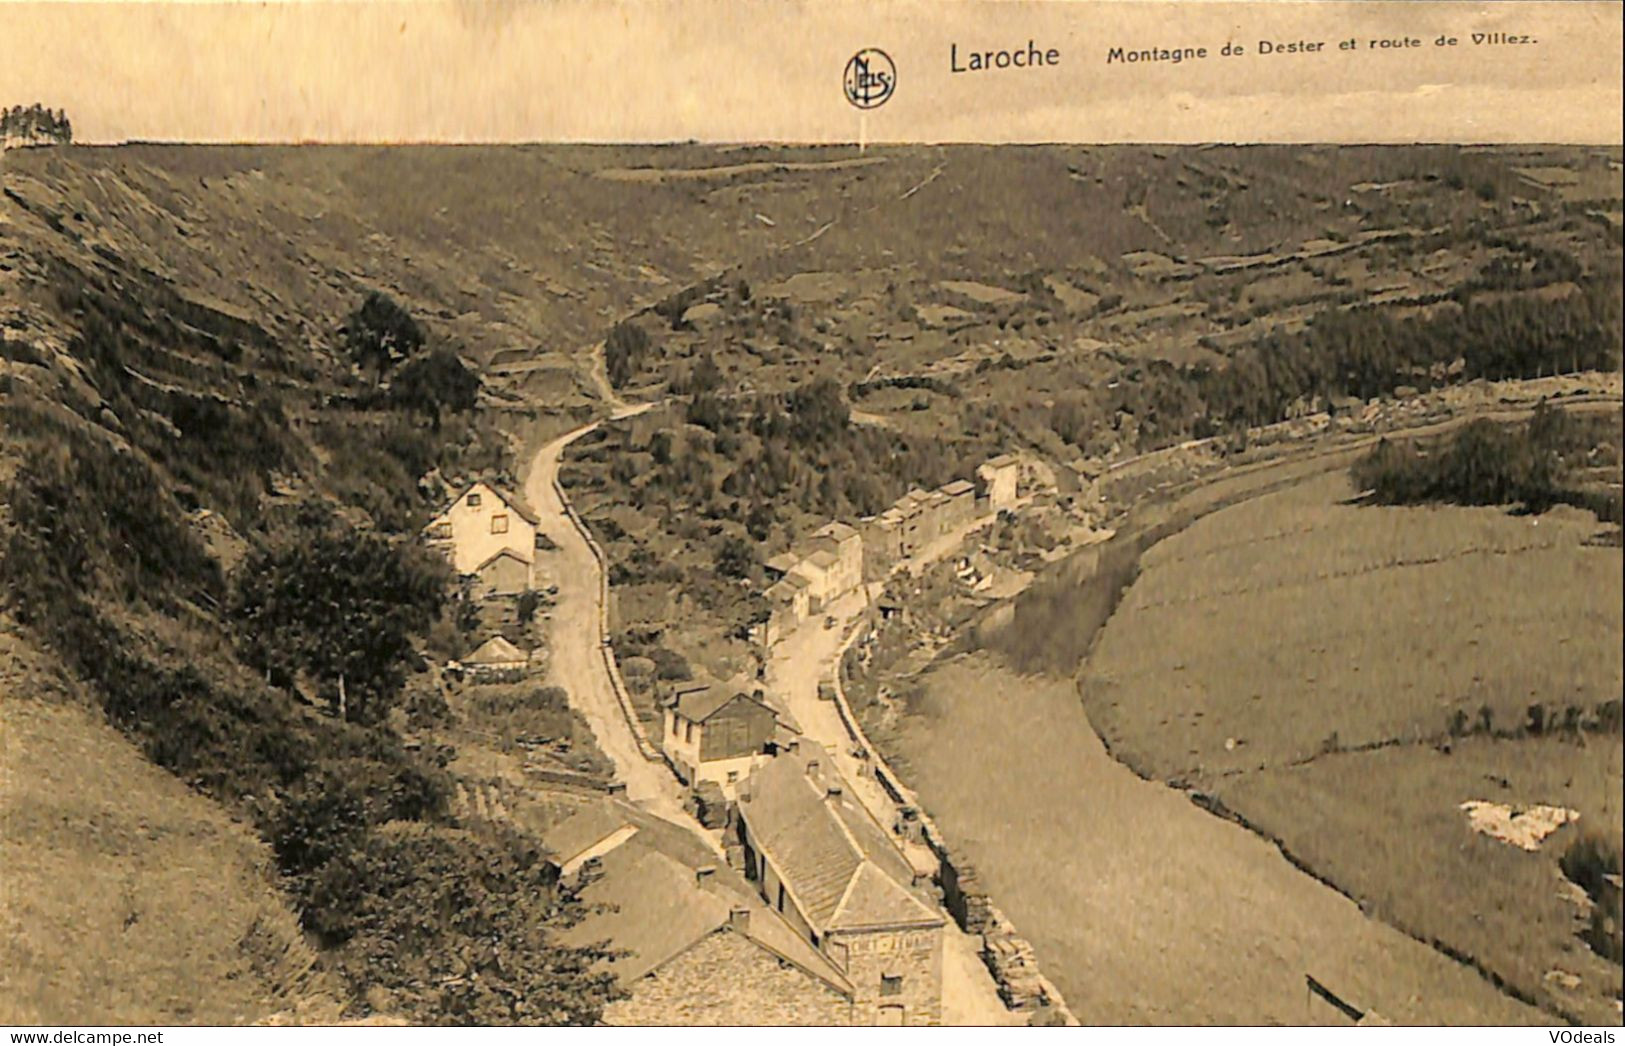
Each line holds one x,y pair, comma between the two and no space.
624,350
341,606
435,382
380,334
734,557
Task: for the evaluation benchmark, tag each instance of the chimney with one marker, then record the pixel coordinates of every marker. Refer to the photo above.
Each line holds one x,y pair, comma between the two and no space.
833,792
792,745
703,873
812,769
739,920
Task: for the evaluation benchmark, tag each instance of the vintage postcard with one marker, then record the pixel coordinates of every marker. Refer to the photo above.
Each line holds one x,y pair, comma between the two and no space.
720,513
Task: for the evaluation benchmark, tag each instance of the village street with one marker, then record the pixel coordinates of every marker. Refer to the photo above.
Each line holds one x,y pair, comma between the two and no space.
796,665
575,641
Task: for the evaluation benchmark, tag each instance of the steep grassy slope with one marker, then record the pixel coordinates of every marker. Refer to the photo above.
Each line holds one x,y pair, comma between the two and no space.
127,898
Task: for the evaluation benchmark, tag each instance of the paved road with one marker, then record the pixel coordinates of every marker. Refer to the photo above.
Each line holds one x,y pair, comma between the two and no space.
577,661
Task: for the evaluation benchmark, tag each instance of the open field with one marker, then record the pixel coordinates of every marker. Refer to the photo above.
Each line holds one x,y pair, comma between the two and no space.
1301,617
1143,908
1320,645
1406,850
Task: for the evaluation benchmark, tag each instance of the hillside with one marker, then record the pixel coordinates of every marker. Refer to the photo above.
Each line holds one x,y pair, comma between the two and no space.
127,898
212,478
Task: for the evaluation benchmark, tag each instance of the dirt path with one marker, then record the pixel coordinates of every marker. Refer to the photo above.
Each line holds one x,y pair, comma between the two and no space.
575,641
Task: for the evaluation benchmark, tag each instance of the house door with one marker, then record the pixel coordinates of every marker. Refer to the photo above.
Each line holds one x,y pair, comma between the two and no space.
890,1017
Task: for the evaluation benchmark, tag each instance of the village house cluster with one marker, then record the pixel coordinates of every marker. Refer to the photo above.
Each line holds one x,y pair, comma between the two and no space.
490,538
838,558
920,518
815,917
818,572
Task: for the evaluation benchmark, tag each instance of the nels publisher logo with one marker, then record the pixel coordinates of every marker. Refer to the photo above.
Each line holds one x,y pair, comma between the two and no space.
870,78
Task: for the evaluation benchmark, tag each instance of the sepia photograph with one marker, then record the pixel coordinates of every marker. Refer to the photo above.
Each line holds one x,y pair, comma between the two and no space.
1009,520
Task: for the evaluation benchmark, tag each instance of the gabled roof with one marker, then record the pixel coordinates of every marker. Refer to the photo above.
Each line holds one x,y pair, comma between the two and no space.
650,901
584,829
822,559
500,553
495,650
837,530
700,705
782,563
518,507
652,908
837,863
873,899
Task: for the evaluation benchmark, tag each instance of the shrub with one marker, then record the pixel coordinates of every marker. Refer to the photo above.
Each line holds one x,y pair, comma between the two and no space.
380,333
339,604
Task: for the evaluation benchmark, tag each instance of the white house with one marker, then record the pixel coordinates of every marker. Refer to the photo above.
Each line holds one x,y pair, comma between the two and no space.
717,733
997,480
490,534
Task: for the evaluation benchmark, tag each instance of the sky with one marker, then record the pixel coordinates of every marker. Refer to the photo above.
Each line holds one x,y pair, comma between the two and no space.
771,70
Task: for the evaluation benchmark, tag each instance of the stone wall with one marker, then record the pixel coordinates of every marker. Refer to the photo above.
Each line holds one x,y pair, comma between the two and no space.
913,957
727,980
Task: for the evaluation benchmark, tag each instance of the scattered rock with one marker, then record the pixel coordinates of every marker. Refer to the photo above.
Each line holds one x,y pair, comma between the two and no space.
1525,829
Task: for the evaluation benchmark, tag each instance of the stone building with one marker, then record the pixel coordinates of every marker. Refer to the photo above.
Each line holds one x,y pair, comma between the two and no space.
697,944
818,859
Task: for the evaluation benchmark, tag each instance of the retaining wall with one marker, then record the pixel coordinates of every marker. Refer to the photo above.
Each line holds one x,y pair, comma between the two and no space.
1008,956
646,747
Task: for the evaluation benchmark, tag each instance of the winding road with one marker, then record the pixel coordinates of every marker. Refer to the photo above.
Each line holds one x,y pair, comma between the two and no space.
578,663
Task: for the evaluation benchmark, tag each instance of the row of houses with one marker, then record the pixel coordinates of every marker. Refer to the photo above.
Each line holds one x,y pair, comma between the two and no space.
815,918
920,517
820,570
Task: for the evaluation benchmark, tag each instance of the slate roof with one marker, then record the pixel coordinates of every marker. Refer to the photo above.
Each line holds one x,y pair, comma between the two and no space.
837,863
498,554
495,650
649,900
700,705
584,829
653,908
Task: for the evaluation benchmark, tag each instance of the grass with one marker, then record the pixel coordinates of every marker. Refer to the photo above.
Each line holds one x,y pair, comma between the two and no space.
1406,850
1143,908
1381,625
127,898
1287,653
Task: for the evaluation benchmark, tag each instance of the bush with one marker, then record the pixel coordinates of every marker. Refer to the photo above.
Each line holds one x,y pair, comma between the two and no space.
456,926
341,605
380,333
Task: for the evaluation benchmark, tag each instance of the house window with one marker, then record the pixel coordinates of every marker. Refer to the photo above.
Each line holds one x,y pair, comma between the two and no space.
688,732
473,501
891,984
733,776
499,523
781,897
441,532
